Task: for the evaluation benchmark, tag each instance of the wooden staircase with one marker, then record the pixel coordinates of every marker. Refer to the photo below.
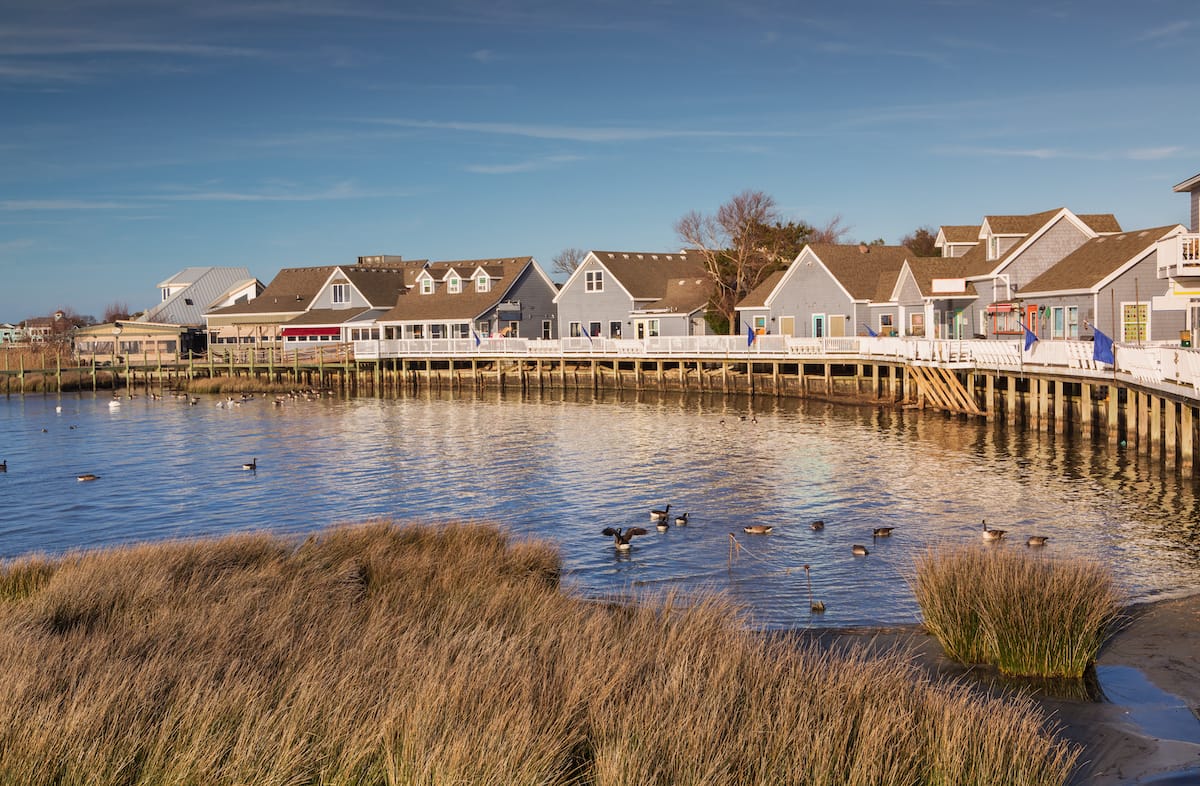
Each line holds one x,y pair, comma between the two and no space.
940,388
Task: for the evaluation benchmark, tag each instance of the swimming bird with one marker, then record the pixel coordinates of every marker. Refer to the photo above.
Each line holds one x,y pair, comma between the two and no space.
662,525
1037,540
681,520
621,537
757,529
114,404
4,465
660,515
992,534
86,476
859,550
251,465
882,532
817,525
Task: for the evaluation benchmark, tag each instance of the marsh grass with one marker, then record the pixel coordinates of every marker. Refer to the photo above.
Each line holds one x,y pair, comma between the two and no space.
21,578
386,654
1025,613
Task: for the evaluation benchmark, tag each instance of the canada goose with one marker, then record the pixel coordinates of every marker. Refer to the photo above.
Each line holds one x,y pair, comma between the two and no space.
882,532
1037,540
817,525
621,537
859,550
252,465
681,520
757,529
992,534
4,465
660,515
662,525
86,476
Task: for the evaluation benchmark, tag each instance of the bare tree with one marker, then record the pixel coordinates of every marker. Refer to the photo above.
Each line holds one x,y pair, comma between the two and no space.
568,259
742,244
115,311
834,231
921,241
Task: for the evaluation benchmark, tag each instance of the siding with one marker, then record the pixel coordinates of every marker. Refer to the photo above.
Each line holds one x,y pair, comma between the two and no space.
808,290
577,305
537,302
1058,241
1196,210
1139,284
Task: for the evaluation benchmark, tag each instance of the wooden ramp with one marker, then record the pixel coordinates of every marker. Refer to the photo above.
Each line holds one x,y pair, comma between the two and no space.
940,388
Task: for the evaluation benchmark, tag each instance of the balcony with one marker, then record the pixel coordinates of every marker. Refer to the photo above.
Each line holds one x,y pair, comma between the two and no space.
1179,256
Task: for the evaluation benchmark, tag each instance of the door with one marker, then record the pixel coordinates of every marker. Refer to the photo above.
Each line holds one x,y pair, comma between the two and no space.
818,326
787,326
837,326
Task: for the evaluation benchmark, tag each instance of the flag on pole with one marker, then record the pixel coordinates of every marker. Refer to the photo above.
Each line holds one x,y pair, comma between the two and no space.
475,336
1030,336
750,335
1102,348
587,333
870,332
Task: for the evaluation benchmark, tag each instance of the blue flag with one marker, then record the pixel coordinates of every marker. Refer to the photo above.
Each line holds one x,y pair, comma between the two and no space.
1030,336
587,334
1102,349
475,336
750,335
870,332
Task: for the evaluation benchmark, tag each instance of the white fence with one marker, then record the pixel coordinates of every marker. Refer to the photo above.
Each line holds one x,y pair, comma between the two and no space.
1150,364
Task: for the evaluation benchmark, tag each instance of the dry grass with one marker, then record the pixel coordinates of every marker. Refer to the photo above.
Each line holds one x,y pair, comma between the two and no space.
414,655
1025,613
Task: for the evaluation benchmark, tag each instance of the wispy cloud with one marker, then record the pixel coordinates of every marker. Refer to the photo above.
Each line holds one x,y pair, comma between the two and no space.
579,133
15,245
1170,33
338,191
1154,153
65,204
484,56
531,165
1047,153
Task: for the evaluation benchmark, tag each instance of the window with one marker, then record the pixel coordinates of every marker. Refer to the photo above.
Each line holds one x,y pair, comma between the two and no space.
460,330
1135,321
916,324
993,247
188,301
483,283
1058,327
547,329
614,329
575,330
760,325
1073,322
427,286
593,281
454,285
594,329
886,326
166,293
512,330
435,331
484,328
341,293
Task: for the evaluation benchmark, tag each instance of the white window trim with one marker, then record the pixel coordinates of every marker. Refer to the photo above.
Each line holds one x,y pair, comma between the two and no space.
454,285
427,286
593,281
483,283
340,294
1145,326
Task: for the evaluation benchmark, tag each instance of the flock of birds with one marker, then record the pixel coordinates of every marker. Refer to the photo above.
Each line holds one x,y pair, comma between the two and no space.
661,518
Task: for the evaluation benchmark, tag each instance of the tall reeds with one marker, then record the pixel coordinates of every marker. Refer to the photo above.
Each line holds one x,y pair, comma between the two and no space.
1025,613
384,654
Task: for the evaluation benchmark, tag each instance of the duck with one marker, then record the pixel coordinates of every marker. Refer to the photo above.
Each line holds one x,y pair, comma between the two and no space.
681,520
882,532
660,515
992,534
757,529
621,537
817,525
86,477
251,465
859,550
1037,540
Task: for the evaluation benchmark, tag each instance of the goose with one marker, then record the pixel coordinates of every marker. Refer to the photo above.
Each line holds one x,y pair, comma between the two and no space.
882,532
992,534
681,520
1037,540
114,404
251,465
660,515
817,525
859,550
86,477
757,529
662,525
621,538
4,465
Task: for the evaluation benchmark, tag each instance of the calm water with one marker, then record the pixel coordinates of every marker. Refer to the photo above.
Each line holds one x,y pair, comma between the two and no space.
565,467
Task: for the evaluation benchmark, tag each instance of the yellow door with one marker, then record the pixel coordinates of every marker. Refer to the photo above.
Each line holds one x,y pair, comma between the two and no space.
787,326
837,326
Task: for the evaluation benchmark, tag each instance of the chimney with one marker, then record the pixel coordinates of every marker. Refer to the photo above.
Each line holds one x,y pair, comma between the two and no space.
863,248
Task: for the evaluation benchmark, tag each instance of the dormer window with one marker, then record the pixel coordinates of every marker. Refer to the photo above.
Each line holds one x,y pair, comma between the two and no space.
166,293
454,285
427,286
341,293
993,247
593,281
483,283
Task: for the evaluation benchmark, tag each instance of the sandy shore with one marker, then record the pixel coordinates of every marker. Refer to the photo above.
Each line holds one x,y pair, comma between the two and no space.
1139,725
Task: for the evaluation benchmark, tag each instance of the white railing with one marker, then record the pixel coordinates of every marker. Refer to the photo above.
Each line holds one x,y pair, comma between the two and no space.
1179,256
1151,363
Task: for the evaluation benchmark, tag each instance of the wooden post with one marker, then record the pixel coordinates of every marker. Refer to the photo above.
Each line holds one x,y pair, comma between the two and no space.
1110,411
1154,443
1186,439
1085,408
1169,443
1060,401
1010,400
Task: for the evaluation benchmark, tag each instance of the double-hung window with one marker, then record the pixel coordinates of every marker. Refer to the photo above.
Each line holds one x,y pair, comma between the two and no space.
341,293
593,280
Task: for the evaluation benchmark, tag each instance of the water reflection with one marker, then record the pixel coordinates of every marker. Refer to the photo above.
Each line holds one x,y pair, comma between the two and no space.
564,466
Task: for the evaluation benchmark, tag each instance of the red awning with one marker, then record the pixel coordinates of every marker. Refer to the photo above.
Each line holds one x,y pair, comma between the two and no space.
1000,308
311,331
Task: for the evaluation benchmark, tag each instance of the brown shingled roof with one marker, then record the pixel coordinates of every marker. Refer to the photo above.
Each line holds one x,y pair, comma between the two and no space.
291,291
378,285
644,274
960,233
863,275
926,269
1095,260
326,316
467,304
1020,225
1100,222
683,295
757,297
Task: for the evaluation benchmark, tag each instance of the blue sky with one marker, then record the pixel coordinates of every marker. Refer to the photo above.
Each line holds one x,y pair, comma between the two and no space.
138,138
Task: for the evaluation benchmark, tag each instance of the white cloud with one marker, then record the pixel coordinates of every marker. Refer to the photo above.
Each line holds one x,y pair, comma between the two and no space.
63,204
520,166
484,56
1166,34
577,133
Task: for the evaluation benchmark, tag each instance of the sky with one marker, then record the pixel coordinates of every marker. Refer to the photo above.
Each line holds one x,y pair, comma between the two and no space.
139,138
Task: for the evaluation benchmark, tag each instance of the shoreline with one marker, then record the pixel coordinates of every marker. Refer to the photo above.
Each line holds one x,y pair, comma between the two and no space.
1147,729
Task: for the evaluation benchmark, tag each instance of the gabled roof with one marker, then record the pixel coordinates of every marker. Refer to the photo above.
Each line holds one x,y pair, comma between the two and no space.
290,292
1100,223
1191,184
862,273
683,295
378,285
468,304
644,274
1016,225
200,288
957,234
926,269
1092,263
327,316
757,297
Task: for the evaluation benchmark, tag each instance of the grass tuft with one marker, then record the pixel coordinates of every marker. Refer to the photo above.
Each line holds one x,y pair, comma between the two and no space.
1025,613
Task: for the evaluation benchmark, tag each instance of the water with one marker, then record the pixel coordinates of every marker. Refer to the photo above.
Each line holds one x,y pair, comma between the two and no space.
563,467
